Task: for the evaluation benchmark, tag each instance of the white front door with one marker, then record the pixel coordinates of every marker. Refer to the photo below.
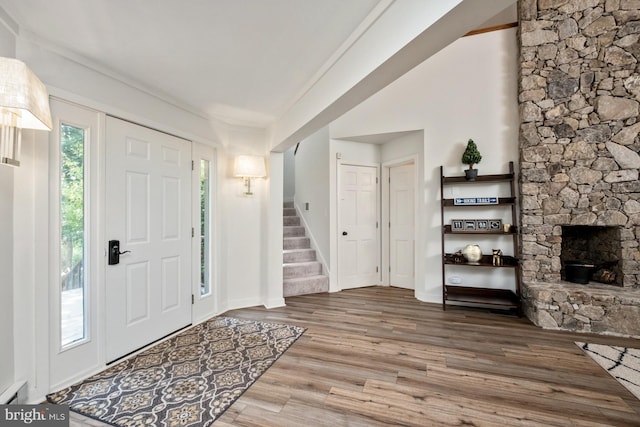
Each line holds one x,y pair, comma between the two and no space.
401,226
358,237
148,209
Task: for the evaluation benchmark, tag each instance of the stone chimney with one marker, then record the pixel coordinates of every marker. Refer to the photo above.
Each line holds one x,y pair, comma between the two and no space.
579,93
579,103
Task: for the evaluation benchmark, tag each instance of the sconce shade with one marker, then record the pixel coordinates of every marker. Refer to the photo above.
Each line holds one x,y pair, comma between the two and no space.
23,96
249,167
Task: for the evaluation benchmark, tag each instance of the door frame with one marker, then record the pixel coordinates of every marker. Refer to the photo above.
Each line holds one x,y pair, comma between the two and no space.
48,374
385,203
339,165
67,365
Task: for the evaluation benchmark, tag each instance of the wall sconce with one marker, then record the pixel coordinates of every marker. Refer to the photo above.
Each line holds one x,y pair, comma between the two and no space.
248,167
24,104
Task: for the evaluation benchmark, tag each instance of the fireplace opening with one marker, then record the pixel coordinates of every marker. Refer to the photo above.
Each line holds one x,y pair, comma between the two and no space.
591,253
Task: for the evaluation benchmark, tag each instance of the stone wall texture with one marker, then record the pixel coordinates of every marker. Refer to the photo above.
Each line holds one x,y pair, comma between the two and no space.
579,100
579,103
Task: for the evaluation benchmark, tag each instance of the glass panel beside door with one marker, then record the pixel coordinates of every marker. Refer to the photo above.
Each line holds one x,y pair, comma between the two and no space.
72,235
205,232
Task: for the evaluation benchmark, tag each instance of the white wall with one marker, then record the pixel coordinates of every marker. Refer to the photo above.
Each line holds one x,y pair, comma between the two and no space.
7,49
6,283
355,152
241,227
402,147
312,186
289,188
467,90
30,245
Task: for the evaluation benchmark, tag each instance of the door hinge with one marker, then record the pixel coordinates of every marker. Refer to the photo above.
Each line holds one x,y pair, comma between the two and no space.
193,299
376,224
376,179
193,165
389,269
376,268
193,232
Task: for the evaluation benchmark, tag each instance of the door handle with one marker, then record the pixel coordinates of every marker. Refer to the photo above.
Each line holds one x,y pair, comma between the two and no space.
344,233
114,252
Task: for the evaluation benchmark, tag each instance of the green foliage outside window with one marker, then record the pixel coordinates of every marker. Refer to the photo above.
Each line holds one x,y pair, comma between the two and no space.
71,197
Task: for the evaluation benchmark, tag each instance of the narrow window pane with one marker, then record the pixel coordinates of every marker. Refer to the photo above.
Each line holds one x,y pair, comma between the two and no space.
205,280
72,234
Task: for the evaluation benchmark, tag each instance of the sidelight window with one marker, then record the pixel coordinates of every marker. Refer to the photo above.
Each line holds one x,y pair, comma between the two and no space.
205,232
73,231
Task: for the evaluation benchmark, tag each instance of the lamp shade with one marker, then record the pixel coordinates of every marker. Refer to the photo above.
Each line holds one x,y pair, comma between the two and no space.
23,95
249,167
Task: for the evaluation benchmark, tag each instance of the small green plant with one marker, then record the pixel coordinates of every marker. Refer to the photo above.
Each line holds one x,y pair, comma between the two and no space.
471,154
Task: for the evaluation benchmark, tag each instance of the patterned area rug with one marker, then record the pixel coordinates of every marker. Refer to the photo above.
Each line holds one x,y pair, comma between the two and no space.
621,362
188,380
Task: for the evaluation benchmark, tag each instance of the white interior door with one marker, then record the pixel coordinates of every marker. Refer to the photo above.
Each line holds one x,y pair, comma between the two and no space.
401,226
148,209
358,236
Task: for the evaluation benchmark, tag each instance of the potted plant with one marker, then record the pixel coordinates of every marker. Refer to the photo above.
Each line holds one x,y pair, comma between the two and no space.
470,157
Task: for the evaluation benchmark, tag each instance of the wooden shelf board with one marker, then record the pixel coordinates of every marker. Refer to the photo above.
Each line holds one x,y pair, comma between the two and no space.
487,296
486,261
480,178
447,230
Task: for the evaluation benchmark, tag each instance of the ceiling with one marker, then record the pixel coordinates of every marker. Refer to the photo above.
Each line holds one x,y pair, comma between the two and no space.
243,61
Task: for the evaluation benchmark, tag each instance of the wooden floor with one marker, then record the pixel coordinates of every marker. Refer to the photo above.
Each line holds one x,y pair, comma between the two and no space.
378,357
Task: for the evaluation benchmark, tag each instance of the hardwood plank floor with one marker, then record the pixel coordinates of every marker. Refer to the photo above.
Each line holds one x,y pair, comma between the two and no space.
377,357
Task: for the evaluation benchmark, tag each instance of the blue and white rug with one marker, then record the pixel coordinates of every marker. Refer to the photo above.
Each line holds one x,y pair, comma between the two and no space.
621,362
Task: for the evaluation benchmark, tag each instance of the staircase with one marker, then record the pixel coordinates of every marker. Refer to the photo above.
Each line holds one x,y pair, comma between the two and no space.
302,274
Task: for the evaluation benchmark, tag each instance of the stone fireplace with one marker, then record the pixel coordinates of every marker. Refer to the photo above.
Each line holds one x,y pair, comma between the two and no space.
579,104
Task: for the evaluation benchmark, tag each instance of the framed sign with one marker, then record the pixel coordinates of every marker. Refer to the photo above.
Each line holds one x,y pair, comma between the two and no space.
475,201
469,225
495,225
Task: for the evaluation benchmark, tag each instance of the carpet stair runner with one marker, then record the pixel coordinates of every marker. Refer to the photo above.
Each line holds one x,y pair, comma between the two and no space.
302,273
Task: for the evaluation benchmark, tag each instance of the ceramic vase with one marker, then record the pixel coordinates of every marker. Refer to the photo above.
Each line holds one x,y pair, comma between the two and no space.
472,253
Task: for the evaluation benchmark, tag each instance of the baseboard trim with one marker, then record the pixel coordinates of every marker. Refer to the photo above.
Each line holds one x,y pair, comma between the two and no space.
242,303
429,297
17,390
274,303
